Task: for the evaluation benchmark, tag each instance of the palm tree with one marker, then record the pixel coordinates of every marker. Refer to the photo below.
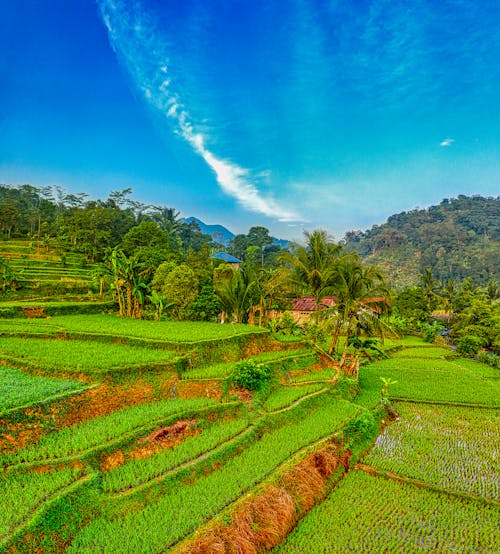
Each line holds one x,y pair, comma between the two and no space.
430,287
312,267
362,297
235,293
128,281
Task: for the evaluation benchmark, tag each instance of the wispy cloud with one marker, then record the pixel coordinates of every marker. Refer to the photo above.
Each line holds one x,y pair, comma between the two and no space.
144,52
447,142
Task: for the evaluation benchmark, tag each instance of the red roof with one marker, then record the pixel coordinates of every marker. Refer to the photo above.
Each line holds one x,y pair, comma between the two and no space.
307,303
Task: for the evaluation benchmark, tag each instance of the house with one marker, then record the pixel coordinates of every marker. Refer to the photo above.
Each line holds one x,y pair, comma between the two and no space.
302,308
231,260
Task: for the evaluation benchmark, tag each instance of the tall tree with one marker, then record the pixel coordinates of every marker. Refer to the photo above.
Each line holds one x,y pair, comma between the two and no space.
312,267
362,297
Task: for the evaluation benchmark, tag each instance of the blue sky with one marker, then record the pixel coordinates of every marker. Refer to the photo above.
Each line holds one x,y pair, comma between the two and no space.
290,114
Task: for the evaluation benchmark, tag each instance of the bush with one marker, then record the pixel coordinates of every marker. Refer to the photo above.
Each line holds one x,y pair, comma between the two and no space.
361,428
250,375
489,358
429,332
469,345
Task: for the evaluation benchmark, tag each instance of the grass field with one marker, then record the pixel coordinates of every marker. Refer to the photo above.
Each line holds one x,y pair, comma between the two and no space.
77,355
453,447
108,325
373,515
143,476
18,388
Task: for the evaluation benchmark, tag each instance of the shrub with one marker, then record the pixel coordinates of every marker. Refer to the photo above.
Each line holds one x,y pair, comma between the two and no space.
469,345
489,358
250,375
360,428
429,332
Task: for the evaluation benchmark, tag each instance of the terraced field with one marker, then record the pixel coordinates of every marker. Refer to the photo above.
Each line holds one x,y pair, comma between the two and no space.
120,436
430,483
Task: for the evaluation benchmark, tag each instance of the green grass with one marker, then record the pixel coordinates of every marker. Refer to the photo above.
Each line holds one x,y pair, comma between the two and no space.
288,359
168,331
433,380
110,325
78,355
315,375
18,389
285,396
96,433
139,471
424,352
184,508
449,446
22,493
372,515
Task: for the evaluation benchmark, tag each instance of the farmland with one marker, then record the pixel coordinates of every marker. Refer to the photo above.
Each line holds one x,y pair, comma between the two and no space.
430,483
125,436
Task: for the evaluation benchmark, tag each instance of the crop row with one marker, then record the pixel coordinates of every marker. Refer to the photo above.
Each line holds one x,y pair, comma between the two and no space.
456,448
373,514
76,440
21,493
168,331
426,352
18,389
185,507
285,396
78,355
285,359
140,470
434,380
315,375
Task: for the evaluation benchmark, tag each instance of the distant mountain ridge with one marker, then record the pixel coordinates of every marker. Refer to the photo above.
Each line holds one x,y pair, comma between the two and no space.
458,238
222,235
219,233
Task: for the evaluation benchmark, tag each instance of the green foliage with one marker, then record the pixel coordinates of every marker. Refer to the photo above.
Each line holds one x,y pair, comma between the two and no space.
206,306
180,288
250,375
456,239
19,389
286,325
363,427
449,446
372,514
489,358
346,387
429,332
469,345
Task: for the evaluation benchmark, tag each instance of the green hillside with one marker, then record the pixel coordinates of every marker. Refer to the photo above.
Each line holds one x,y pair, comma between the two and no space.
42,271
457,239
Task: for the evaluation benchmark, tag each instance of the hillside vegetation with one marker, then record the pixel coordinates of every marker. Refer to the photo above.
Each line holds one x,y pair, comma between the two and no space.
457,239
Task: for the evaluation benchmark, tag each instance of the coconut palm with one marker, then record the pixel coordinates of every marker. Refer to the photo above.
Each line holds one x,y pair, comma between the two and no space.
362,298
312,267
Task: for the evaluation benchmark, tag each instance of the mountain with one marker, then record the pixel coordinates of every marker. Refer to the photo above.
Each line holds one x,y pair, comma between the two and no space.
458,238
218,232
222,235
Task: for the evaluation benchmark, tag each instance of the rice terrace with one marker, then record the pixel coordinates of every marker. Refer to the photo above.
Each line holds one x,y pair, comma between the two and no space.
123,435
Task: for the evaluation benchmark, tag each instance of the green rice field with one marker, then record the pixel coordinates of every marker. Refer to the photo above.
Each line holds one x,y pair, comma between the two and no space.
137,461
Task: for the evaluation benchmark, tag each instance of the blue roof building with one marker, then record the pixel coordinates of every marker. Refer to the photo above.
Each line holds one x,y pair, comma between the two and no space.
225,257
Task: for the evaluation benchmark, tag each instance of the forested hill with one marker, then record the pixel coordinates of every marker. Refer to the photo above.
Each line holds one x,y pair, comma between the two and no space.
459,238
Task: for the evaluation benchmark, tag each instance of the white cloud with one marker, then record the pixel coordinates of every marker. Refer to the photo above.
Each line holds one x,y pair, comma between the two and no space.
133,35
447,142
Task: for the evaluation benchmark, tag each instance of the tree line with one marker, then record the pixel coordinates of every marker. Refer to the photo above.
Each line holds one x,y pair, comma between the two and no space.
154,264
